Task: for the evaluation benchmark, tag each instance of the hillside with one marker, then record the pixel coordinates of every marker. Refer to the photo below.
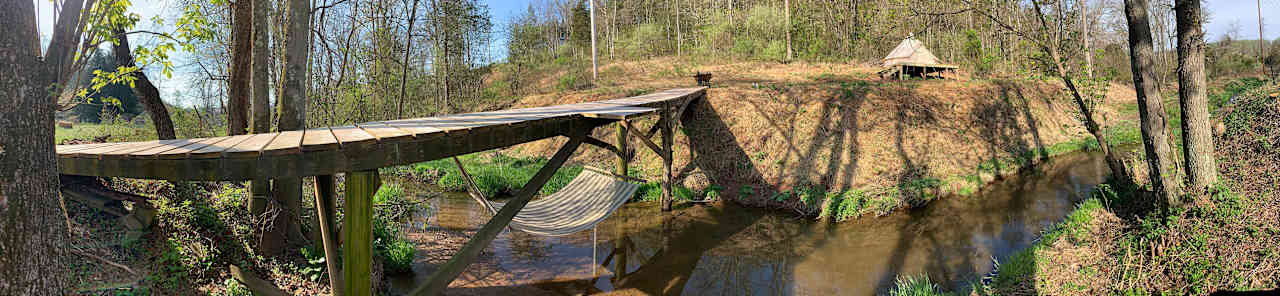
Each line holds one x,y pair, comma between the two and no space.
792,135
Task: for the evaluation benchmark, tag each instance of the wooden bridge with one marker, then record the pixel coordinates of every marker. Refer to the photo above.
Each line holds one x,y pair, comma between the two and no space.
359,150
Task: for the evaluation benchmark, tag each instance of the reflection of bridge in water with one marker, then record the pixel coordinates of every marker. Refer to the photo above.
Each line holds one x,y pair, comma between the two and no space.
360,150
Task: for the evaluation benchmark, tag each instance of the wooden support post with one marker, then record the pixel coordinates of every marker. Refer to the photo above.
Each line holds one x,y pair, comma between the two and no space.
667,137
325,196
357,225
620,252
624,150
258,196
440,279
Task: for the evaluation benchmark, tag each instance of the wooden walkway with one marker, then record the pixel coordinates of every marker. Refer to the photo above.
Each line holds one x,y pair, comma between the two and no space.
365,146
360,149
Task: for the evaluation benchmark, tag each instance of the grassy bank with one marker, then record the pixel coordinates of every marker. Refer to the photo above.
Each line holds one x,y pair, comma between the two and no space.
832,140
1118,243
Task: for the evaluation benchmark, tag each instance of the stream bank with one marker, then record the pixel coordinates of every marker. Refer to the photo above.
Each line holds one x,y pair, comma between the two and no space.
723,248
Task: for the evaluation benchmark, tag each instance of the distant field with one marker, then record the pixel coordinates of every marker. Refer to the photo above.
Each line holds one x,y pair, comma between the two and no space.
117,132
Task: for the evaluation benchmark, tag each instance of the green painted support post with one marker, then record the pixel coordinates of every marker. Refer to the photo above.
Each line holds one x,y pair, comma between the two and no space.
357,225
325,196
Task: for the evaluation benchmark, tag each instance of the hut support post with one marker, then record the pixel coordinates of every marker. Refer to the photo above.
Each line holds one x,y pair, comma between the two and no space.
357,247
325,195
440,279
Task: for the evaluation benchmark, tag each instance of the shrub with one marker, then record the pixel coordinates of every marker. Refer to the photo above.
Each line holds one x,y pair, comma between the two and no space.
915,286
389,242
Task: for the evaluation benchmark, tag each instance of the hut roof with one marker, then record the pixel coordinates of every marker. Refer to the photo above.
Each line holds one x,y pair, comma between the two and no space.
910,51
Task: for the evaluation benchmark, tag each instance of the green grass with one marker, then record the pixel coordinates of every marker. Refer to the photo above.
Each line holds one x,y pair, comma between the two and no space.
1021,266
389,242
494,174
915,286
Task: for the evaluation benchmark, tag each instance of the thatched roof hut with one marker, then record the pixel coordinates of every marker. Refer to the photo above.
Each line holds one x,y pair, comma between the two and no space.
912,58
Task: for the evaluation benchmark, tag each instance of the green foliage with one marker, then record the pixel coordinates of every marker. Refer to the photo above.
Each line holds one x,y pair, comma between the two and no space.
573,81
1222,97
314,270
855,203
389,244
983,62
580,25
915,286
200,235
645,40
234,288
105,90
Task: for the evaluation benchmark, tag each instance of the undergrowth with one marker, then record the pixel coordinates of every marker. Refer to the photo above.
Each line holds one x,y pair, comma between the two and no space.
389,242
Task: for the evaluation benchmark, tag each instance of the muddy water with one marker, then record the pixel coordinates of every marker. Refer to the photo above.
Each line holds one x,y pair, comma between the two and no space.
728,250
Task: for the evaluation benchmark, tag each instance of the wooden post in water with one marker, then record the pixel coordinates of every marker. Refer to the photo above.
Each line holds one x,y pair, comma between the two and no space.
667,136
325,195
623,150
357,246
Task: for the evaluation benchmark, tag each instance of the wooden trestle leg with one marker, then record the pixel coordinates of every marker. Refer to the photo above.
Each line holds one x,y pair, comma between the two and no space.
325,196
667,137
357,225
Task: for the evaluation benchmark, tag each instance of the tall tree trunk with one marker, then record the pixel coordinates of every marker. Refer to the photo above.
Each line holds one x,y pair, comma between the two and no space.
1084,35
261,68
404,65
1155,127
787,6
293,107
143,88
1197,139
33,237
1050,47
261,123
679,33
241,61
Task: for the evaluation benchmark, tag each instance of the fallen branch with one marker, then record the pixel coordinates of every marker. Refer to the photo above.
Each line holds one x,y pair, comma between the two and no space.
104,260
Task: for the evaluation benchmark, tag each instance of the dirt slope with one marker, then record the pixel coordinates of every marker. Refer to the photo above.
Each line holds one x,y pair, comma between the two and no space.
776,127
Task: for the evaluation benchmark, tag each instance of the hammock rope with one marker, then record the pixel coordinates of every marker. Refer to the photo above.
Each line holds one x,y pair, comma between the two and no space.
586,201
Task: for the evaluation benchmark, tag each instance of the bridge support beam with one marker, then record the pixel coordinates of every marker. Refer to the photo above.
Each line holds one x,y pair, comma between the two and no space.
667,137
624,152
325,196
357,246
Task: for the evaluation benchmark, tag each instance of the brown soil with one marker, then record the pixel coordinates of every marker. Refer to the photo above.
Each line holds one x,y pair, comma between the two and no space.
775,127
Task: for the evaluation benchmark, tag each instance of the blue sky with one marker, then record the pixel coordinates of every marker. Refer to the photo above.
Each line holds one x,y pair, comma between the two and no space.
1224,13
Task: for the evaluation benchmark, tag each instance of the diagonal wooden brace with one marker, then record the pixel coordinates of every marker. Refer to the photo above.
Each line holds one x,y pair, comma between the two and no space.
647,142
440,279
602,144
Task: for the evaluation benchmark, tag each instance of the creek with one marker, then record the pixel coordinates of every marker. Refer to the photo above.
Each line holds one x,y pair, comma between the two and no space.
723,249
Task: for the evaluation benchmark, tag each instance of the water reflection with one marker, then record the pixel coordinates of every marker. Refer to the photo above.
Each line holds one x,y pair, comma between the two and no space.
729,250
